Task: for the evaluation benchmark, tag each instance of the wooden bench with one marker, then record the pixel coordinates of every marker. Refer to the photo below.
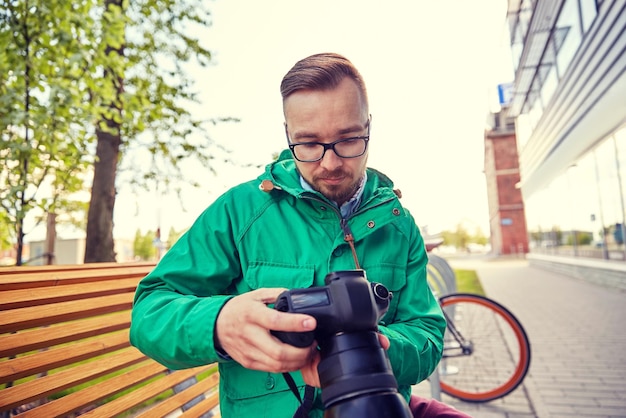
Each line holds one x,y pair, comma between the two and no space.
64,348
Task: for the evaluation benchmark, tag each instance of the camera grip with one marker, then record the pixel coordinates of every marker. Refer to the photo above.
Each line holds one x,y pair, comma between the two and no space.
297,339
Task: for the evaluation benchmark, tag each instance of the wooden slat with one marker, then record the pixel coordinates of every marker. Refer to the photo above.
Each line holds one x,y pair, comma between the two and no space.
176,401
36,339
17,368
201,408
53,383
37,316
70,267
14,299
144,393
43,279
78,313
101,390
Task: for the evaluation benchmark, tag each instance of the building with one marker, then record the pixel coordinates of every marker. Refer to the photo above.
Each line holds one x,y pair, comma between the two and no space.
569,106
72,251
507,220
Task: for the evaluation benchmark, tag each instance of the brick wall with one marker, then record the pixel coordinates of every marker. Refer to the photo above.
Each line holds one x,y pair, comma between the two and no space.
507,218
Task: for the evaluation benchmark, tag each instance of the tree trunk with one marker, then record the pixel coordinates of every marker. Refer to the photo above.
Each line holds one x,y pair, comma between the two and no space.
99,246
51,237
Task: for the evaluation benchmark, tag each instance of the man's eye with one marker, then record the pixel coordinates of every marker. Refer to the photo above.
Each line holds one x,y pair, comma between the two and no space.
349,141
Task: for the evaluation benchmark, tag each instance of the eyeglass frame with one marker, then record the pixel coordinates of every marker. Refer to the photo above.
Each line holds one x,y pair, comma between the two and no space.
331,145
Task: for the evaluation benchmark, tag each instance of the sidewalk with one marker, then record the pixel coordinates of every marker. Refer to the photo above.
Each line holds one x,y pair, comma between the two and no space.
577,332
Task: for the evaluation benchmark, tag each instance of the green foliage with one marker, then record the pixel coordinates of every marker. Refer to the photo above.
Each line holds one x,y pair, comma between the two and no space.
582,238
173,236
118,65
158,91
5,231
144,247
460,238
44,129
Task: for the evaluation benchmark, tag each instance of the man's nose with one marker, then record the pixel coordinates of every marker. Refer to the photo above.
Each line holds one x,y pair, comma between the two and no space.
330,161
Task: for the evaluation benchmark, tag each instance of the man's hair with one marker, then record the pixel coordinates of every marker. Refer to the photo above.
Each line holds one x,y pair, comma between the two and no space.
321,72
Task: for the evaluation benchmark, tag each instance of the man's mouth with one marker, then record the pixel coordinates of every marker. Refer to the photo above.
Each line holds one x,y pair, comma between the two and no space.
332,180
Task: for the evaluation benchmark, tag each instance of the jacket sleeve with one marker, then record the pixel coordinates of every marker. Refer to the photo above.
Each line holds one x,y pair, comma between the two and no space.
176,304
416,332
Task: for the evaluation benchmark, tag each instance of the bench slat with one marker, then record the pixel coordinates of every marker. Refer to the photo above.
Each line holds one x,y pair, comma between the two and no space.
53,383
72,267
14,369
204,406
64,327
93,394
145,393
15,299
36,339
66,278
38,316
174,402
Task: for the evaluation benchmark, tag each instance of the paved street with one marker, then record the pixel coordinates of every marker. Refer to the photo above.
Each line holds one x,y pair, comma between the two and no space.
578,338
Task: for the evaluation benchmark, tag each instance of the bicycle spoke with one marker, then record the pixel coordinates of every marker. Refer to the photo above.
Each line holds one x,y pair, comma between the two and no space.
497,358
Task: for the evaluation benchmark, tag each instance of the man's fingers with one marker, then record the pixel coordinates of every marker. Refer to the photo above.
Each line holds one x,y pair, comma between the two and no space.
285,321
276,320
265,295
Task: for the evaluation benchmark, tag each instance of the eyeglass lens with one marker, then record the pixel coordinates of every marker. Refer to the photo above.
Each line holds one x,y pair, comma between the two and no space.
345,148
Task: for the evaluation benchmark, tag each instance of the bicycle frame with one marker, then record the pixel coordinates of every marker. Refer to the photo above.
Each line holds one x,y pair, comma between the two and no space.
463,347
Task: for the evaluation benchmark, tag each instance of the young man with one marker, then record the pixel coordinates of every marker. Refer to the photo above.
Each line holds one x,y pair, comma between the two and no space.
315,210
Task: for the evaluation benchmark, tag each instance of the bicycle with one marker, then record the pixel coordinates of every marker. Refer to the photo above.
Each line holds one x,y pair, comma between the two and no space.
486,351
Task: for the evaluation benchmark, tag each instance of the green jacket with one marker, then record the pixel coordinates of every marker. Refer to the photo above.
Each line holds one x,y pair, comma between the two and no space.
285,237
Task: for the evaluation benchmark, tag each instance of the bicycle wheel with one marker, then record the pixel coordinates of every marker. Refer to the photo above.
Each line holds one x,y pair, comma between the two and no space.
490,355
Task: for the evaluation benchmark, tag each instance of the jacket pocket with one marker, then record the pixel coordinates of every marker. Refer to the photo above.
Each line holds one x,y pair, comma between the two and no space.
251,393
263,274
393,277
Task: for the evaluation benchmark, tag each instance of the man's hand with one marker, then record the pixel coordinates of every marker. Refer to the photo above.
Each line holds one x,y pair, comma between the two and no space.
243,329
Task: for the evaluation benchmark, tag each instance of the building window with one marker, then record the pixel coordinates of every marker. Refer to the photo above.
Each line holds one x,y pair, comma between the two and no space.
568,28
549,84
588,13
517,47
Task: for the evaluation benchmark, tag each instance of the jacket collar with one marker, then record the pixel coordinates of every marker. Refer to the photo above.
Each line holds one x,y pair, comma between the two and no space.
282,174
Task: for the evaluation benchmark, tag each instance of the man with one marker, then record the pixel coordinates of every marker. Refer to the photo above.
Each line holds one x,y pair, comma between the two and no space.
315,210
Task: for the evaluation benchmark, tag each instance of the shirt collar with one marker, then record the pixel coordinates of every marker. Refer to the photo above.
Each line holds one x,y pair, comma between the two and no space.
349,207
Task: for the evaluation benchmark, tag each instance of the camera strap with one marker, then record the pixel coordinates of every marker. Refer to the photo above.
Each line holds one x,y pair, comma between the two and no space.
305,404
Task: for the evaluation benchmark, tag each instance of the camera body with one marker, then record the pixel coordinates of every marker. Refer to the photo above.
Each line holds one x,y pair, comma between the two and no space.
354,370
348,303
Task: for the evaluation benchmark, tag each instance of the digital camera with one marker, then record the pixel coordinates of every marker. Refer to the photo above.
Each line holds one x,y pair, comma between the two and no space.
354,370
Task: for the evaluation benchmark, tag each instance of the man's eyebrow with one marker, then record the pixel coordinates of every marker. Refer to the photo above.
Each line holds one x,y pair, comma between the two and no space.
305,135
312,135
352,129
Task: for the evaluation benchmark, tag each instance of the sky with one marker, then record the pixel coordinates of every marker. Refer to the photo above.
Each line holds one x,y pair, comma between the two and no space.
431,70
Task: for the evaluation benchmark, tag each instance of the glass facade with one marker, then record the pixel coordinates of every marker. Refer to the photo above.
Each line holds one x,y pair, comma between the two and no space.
581,212
579,208
566,37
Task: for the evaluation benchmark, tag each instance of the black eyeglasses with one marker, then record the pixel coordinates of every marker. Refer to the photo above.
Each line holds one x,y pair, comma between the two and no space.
309,152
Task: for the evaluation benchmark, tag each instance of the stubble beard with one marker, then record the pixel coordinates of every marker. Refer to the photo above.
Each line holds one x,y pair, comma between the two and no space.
336,193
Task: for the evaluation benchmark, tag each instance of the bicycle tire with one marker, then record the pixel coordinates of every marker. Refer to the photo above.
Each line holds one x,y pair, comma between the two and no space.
501,351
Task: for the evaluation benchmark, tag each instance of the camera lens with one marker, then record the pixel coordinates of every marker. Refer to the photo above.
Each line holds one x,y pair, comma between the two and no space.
380,291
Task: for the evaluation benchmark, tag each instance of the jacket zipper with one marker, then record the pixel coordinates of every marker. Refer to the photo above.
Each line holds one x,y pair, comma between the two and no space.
347,232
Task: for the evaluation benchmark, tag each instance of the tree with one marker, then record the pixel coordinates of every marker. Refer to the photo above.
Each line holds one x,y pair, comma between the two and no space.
103,76
43,139
143,245
173,236
99,244
458,238
148,46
